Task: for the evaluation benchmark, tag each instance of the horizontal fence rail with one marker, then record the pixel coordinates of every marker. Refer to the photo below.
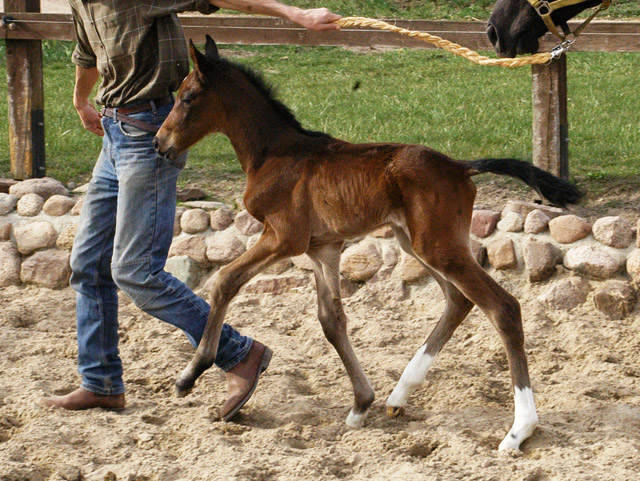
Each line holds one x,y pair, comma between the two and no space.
24,32
601,36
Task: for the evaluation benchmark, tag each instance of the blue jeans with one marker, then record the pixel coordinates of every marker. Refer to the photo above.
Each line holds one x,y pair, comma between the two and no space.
123,239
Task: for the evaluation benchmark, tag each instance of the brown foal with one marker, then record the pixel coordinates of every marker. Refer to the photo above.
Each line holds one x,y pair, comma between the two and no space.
312,192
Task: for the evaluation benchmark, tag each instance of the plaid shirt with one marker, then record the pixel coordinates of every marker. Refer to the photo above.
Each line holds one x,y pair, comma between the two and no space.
138,47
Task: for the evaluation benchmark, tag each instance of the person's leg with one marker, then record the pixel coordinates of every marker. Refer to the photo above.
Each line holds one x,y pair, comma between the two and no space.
96,296
145,215
96,300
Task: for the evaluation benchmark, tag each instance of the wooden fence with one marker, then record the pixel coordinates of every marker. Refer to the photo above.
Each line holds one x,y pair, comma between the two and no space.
24,29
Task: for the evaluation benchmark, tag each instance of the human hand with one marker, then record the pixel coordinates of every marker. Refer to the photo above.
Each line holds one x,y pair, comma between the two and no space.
317,19
90,118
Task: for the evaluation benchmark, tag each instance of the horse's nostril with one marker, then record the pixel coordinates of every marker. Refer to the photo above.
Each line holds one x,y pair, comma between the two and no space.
492,34
155,143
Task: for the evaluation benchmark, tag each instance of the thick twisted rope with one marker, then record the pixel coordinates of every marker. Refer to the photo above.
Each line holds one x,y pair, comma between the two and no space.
475,57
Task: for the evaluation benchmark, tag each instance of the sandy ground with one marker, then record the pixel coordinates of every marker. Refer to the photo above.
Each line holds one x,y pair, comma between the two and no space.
585,369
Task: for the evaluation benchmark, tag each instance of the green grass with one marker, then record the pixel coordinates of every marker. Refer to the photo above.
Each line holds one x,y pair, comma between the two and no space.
424,97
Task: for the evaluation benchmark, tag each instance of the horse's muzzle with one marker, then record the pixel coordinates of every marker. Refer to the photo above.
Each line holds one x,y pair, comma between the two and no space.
169,153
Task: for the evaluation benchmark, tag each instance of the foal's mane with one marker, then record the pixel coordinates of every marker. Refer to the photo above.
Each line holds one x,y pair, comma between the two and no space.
268,91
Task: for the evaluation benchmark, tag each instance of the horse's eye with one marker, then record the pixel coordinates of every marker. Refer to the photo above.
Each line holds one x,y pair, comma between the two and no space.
187,99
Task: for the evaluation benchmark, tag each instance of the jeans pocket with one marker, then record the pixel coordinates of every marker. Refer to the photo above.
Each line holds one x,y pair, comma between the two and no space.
131,131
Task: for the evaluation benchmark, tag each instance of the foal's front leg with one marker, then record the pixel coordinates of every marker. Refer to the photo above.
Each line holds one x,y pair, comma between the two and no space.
326,260
228,282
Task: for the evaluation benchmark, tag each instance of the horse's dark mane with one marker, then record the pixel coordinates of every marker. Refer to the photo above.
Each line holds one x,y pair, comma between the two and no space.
266,89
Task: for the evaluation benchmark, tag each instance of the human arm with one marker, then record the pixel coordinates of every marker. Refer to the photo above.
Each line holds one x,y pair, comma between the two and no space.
86,78
313,19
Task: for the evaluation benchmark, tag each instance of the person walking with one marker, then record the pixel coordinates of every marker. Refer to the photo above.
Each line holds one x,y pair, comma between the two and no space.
139,52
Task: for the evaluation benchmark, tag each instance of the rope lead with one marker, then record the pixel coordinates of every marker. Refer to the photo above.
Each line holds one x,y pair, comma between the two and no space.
475,57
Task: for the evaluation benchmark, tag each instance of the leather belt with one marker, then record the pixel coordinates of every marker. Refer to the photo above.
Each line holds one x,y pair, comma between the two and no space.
118,113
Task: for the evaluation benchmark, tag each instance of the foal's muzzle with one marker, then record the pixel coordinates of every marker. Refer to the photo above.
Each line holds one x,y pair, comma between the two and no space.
168,153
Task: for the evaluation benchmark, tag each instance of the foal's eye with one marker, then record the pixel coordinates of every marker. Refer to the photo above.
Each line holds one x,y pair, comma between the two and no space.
187,99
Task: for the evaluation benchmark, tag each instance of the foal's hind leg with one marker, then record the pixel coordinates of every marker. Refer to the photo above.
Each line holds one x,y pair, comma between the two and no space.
456,264
455,312
326,260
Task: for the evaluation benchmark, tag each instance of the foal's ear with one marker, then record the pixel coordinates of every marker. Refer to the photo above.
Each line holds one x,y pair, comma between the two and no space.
211,49
199,60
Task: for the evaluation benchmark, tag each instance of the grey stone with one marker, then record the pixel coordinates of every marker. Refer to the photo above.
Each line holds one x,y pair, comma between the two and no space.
569,228
390,255
77,209
194,221
30,205
247,224
184,269
224,246
192,246
566,293
190,194
592,261
347,288
502,254
616,299
10,261
45,188
204,205
512,222
540,259
221,218
177,229
361,261
279,267
613,231
479,251
67,236
58,205
82,189
633,266
5,230
47,268
8,202
276,285
483,222
536,222
33,236
303,262
383,232
411,269
524,208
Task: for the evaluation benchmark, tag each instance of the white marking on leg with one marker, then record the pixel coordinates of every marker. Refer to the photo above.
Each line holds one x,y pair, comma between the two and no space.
412,376
525,419
355,419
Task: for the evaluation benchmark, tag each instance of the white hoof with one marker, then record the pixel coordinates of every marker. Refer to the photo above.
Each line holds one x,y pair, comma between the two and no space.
355,420
516,435
526,420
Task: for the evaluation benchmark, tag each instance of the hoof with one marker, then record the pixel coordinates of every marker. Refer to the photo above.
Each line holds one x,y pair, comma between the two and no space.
182,389
355,419
395,412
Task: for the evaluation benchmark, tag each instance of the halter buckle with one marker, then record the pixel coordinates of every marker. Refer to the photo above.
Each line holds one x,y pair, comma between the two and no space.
561,49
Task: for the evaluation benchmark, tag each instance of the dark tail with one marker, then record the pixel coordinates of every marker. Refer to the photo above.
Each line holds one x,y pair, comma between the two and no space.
555,190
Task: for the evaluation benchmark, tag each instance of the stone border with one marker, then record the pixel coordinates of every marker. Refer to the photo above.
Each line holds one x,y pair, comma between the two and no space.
39,218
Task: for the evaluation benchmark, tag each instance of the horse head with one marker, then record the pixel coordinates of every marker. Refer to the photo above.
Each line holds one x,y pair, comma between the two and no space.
198,109
515,26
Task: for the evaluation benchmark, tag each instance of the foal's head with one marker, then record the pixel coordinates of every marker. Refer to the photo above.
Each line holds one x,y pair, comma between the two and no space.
199,107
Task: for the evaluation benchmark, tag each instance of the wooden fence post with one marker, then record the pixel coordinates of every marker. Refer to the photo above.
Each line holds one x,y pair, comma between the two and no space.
550,127
25,99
